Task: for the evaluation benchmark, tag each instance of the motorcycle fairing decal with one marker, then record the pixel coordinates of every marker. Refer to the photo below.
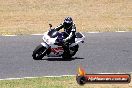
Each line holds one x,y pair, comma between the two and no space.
56,50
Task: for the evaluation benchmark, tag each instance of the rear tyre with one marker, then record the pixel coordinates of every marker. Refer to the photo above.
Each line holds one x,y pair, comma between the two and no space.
75,49
66,55
39,52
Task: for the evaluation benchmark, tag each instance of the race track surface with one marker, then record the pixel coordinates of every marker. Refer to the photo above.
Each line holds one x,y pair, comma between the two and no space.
101,52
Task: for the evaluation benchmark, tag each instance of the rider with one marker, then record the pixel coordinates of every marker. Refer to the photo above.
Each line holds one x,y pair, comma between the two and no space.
69,32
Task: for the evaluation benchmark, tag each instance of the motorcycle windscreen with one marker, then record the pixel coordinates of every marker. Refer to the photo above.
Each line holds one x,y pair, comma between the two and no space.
53,33
60,38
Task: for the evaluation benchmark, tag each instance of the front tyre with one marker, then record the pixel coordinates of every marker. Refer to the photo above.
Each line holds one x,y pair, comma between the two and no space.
38,53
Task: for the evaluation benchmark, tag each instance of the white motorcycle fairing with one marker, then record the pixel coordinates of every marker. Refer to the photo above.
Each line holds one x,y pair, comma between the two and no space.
55,50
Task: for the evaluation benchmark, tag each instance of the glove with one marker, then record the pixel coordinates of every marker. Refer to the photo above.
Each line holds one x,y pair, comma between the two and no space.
64,40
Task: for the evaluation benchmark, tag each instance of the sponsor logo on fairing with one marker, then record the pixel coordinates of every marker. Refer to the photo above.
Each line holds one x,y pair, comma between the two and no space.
56,50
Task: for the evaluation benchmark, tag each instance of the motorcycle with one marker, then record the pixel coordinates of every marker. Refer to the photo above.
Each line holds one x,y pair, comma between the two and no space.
51,45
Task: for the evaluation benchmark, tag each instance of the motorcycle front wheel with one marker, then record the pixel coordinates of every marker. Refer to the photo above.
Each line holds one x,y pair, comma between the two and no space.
38,53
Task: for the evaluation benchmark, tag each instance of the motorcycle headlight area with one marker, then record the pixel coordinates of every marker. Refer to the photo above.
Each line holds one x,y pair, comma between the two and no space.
49,40
46,40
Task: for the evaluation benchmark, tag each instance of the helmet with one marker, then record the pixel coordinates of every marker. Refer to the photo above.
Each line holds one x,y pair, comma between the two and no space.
68,22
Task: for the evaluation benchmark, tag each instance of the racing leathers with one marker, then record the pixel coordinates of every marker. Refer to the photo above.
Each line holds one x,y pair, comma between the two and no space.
69,36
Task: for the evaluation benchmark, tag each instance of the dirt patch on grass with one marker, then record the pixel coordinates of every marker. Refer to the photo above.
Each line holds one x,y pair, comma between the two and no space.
33,16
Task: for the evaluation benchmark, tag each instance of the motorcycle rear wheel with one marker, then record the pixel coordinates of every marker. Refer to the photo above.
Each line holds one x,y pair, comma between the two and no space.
66,56
75,49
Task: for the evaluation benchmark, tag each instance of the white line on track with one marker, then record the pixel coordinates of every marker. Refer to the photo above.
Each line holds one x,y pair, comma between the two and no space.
9,35
36,34
121,31
87,32
55,76
35,77
93,32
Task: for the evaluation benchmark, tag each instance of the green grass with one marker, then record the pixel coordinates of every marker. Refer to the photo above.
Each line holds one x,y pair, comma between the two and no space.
55,82
44,82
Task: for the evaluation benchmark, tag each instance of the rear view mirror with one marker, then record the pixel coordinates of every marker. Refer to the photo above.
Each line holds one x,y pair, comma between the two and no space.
50,25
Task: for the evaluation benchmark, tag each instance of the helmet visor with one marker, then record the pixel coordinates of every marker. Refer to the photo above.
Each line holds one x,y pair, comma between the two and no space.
67,25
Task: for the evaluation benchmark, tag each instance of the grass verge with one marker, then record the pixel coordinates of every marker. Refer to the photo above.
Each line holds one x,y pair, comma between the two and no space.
55,82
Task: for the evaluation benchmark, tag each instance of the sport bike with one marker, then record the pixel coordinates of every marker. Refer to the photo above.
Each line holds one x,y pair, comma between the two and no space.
51,45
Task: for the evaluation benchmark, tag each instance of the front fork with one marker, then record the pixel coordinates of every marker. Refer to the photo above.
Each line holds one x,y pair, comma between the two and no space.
47,48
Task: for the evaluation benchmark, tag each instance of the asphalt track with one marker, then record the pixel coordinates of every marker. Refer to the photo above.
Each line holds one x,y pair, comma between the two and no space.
101,52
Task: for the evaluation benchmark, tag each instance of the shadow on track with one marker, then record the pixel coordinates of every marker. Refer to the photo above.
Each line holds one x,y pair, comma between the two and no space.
61,59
